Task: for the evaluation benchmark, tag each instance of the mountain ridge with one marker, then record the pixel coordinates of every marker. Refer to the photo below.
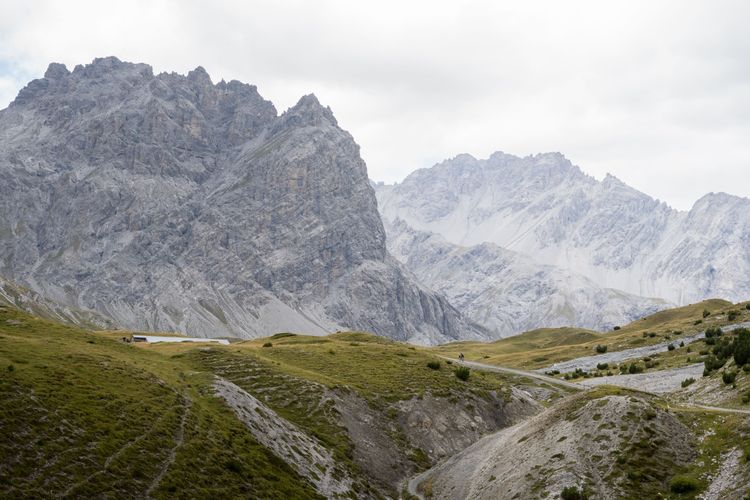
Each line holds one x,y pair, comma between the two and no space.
546,207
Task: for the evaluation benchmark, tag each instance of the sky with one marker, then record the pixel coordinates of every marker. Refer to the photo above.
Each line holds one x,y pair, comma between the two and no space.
656,93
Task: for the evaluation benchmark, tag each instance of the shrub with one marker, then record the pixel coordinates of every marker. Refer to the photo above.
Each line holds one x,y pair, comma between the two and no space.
687,382
742,347
448,362
652,334
462,373
573,493
682,343
268,344
601,349
728,377
714,331
677,332
724,349
733,315
670,347
11,368
634,368
697,321
747,307
683,484
602,366
433,365
713,363
706,313
616,328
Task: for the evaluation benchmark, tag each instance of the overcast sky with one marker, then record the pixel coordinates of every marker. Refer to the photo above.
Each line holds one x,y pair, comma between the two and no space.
655,92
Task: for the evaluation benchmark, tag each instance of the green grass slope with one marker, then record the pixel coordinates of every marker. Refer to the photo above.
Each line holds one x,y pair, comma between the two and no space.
83,415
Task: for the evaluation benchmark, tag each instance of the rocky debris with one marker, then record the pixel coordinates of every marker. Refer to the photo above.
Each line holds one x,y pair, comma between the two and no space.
168,202
575,443
423,428
304,453
510,293
546,208
33,303
724,484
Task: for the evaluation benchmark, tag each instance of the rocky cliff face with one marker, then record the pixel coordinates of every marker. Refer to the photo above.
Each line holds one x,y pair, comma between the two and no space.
544,207
510,293
168,202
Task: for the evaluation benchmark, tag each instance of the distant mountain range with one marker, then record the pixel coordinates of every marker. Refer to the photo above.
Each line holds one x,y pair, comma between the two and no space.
537,234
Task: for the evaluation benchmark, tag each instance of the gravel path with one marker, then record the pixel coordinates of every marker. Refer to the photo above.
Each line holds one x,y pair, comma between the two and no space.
521,373
658,382
616,357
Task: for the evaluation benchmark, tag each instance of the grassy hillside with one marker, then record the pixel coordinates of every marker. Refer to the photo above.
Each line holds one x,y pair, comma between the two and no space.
540,348
85,413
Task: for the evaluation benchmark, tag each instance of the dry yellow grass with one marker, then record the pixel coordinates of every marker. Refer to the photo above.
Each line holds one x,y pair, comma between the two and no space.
540,348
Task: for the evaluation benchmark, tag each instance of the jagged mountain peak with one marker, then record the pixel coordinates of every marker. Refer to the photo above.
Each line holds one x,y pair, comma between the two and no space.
309,112
169,202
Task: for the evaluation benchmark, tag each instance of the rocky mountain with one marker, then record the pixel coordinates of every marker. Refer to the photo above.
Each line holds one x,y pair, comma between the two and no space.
544,207
508,292
167,202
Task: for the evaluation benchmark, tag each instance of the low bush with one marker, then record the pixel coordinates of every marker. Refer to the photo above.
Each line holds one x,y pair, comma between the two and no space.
697,321
634,368
433,365
684,484
601,349
682,343
714,331
706,313
728,377
616,328
741,351
462,373
602,366
747,307
573,493
712,363
687,382
268,344
733,315
670,347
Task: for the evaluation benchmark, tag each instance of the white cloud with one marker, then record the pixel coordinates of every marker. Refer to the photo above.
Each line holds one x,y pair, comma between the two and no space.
657,93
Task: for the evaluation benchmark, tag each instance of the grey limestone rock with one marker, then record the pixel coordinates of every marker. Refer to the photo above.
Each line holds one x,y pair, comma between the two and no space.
168,202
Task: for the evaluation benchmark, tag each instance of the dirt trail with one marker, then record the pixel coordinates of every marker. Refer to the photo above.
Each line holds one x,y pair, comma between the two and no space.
179,438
